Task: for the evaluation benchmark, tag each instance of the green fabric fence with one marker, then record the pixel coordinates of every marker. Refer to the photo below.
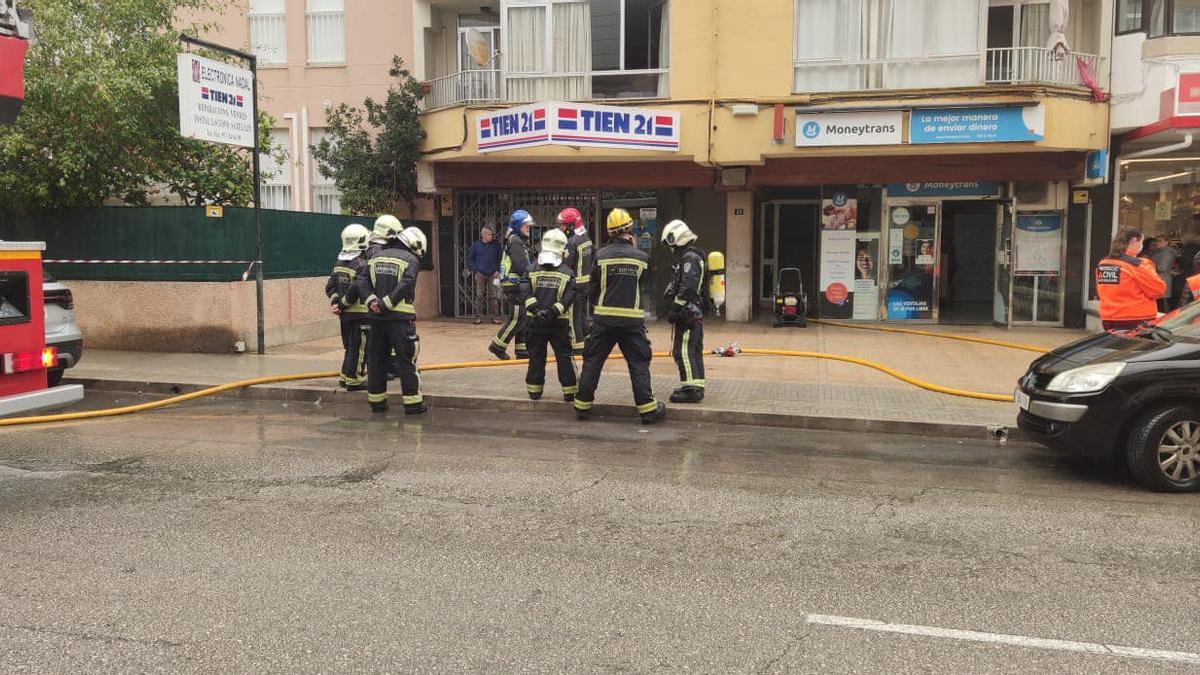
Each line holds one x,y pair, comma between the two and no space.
294,244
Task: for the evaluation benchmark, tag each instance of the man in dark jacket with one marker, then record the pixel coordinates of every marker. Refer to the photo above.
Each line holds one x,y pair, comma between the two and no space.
483,263
548,298
619,319
514,271
685,295
578,257
342,291
388,283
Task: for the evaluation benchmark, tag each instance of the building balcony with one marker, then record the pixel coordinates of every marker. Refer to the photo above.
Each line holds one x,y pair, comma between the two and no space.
1038,65
462,88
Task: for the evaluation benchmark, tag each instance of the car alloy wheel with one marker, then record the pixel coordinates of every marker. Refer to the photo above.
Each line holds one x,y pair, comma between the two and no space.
1179,452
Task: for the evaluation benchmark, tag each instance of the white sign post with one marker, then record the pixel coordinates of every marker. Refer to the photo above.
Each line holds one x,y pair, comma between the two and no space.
216,101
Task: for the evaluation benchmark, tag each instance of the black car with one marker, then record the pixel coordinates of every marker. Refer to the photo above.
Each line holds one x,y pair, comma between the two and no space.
1129,395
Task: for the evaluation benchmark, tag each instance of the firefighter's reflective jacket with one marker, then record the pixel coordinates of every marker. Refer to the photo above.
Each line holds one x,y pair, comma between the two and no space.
687,281
514,263
551,288
616,286
579,257
390,276
342,287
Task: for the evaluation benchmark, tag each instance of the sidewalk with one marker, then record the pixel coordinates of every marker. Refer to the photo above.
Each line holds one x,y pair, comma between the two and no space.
817,390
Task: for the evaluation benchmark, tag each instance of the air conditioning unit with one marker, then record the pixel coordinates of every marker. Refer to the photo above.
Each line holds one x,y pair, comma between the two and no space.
1041,195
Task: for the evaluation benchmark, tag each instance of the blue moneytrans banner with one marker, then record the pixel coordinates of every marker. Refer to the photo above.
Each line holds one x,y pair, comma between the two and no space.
967,188
977,125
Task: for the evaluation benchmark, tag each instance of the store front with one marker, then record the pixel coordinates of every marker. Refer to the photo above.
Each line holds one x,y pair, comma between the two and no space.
937,252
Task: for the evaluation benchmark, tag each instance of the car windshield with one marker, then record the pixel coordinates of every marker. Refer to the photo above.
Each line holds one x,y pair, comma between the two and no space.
1183,322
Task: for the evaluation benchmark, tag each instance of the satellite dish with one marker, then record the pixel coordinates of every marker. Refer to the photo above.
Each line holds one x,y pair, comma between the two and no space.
479,47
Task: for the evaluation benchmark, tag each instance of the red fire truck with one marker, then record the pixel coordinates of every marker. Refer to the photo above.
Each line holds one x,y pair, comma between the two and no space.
16,27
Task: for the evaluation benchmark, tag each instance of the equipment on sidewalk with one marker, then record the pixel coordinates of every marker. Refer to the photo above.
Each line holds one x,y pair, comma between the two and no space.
732,349
791,302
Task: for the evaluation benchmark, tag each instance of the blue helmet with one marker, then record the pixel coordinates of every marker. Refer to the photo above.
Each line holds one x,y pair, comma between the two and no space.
519,218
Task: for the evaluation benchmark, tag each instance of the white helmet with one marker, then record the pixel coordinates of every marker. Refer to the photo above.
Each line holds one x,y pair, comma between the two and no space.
386,227
354,238
554,245
677,233
414,239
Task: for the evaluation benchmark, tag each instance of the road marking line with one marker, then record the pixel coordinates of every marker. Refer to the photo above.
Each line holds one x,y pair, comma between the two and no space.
1001,638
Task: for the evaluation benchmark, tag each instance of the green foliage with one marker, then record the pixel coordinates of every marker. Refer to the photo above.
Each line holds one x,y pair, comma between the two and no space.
371,152
101,112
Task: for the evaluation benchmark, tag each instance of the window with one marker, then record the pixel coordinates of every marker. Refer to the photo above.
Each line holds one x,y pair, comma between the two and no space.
326,32
845,45
276,173
326,197
1158,18
581,49
268,31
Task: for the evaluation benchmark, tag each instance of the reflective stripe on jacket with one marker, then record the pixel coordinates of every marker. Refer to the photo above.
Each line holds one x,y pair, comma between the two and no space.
616,287
550,288
390,276
579,257
1129,289
342,288
514,264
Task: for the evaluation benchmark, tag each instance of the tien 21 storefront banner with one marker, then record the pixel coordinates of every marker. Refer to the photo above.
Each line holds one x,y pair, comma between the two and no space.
579,124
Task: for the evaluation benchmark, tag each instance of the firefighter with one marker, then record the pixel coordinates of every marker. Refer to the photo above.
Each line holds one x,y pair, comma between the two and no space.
345,301
579,258
687,302
387,283
384,223
549,296
1128,286
514,270
619,319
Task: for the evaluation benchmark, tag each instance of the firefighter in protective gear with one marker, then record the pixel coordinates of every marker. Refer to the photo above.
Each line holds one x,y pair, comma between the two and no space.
686,298
387,283
619,319
1128,286
514,271
344,301
579,258
549,295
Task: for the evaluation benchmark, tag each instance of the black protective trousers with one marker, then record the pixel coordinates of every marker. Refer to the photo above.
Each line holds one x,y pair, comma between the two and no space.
354,341
688,350
581,316
557,337
400,336
635,345
515,326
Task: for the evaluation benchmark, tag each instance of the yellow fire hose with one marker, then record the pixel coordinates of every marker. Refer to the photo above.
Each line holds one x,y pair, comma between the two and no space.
320,375
935,334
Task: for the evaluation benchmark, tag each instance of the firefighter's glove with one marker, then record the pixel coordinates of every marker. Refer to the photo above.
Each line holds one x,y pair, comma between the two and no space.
673,314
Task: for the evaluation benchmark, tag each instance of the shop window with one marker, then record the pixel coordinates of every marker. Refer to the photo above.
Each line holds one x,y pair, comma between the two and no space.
1161,197
571,50
14,298
843,45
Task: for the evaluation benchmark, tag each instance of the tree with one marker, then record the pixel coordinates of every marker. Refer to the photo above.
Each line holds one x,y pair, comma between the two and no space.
101,111
371,152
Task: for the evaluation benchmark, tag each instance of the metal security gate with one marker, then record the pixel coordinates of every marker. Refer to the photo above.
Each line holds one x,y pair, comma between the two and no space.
476,209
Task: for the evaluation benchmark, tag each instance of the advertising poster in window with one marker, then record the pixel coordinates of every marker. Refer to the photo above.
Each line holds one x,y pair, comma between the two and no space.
839,212
866,287
910,293
837,273
1039,243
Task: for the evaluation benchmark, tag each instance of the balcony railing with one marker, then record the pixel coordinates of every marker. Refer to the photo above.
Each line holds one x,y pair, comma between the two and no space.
326,37
1038,65
268,38
468,86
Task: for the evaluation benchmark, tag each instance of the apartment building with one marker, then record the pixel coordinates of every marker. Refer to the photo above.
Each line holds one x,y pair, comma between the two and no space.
916,160
312,56
1155,127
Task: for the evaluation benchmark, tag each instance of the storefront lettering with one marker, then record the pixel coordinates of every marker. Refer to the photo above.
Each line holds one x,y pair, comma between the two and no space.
860,130
616,122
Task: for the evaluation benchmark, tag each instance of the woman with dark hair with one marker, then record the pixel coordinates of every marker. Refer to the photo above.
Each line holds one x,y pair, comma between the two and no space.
1128,286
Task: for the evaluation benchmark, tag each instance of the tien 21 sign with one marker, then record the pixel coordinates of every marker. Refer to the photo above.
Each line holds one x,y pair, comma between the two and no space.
578,124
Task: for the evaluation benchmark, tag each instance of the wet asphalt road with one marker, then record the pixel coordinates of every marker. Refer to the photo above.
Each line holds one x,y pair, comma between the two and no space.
236,536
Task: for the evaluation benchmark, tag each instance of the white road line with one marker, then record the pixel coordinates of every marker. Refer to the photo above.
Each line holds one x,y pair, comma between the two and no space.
1000,638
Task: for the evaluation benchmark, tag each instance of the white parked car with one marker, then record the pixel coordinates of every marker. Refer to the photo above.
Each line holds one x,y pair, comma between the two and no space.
62,332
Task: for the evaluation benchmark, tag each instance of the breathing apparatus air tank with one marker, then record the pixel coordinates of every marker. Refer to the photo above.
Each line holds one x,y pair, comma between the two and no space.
716,280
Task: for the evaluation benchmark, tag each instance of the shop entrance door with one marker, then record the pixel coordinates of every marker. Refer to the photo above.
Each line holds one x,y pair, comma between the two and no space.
788,231
968,259
912,261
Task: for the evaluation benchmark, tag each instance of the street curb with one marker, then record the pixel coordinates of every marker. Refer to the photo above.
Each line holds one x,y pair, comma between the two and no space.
319,394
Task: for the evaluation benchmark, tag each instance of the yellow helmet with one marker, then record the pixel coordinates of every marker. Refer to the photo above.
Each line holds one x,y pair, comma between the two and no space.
386,227
618,220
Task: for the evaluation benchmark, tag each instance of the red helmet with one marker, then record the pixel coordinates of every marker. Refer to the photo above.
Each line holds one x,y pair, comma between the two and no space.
570,216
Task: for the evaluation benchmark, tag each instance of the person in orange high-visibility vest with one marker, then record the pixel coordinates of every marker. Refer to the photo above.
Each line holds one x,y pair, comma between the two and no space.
1128,286
1191,289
